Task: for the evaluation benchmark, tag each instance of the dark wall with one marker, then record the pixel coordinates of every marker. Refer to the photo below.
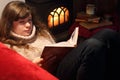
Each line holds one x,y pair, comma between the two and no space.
102,6
44,7
118,7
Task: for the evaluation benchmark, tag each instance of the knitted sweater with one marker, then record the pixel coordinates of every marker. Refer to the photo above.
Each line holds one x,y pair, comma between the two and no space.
35,47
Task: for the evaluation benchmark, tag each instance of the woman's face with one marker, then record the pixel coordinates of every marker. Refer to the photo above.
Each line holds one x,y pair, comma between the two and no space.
23,27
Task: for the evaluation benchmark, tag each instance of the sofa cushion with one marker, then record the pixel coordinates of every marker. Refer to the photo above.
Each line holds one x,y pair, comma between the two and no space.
15,67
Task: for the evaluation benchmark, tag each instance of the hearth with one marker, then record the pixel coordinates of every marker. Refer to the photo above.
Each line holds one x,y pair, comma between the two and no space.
57,14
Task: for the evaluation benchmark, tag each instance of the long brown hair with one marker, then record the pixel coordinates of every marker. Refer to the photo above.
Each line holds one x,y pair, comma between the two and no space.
13,11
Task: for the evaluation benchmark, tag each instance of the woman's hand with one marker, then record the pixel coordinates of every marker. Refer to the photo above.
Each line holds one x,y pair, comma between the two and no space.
38,61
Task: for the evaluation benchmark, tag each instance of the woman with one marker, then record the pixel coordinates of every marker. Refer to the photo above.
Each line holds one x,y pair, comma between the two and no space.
20,31
23,32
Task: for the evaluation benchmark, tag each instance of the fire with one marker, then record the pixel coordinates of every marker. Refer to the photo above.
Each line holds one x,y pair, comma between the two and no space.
58,16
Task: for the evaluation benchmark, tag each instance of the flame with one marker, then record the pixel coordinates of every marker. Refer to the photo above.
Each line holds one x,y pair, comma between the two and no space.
58,16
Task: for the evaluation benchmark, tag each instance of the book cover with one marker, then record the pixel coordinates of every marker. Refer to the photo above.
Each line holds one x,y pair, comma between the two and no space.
82,17
90,26
53,54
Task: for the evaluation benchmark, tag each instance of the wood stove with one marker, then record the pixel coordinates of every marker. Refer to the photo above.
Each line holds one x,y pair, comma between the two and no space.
45,9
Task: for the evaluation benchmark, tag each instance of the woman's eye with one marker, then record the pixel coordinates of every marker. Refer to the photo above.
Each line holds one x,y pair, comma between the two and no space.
22,22
30,20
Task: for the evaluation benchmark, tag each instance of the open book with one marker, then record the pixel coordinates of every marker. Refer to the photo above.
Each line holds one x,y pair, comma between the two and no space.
54,53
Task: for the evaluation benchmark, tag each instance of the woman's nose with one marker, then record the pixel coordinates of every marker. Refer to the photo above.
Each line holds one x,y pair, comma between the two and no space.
28,24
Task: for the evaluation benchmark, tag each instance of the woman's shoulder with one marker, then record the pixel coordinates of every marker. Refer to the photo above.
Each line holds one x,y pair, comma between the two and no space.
47,35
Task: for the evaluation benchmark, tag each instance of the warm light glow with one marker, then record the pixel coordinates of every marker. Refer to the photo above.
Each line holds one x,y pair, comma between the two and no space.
58,16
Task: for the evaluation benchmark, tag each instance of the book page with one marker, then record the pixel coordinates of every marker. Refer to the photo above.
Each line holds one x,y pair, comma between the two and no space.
74,37
53,54
72,42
